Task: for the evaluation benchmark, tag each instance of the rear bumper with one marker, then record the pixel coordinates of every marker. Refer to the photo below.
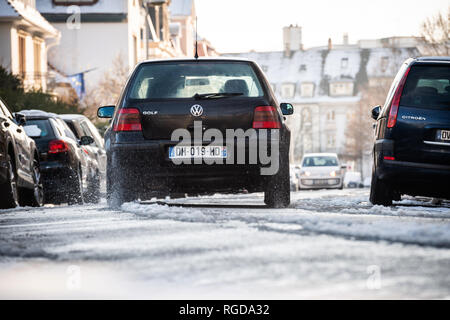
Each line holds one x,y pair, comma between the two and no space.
320,183
56,177
146,169
417,179
412,171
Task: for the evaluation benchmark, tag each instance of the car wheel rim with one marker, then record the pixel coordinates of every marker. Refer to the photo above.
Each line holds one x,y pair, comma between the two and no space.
13,185
80,182
38,187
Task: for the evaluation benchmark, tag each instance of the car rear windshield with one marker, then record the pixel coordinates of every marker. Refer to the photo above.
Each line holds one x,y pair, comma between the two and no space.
427,86
320,162
186,79
41,127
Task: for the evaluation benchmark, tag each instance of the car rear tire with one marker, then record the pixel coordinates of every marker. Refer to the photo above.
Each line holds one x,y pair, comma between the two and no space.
118,195
93,193
35,196
278,193
76,194
117,191
8,190
380,192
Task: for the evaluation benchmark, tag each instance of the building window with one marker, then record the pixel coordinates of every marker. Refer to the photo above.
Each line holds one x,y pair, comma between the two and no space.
341,88
302,68
37,62
306,117
307,90
331,115
287,90
22,56
344,63
331,140
135,50
384,63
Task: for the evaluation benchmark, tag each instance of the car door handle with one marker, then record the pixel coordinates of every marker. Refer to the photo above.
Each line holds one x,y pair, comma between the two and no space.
19,130
5,124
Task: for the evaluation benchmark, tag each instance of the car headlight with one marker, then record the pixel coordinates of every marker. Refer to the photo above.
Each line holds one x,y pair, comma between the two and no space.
335,173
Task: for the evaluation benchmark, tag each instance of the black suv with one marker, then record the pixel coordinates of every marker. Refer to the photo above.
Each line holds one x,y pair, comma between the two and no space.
206,99
65,167
82,126
412,148
20,178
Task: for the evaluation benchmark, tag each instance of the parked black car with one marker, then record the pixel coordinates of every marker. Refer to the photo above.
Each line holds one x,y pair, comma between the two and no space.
165,95
65,167
82,126
20,178
412,147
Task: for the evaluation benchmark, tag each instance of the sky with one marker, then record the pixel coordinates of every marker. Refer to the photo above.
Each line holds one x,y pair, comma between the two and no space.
244,25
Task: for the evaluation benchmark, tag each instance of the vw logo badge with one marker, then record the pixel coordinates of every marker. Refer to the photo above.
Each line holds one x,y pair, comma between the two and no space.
196,110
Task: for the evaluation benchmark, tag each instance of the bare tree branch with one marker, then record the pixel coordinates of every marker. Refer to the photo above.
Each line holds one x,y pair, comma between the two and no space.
436,34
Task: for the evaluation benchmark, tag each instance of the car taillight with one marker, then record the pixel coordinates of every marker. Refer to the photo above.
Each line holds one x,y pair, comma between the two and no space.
266,118
393,112
128,119
57,146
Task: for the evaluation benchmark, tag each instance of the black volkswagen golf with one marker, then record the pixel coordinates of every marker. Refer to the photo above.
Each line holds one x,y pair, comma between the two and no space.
197,126
412,148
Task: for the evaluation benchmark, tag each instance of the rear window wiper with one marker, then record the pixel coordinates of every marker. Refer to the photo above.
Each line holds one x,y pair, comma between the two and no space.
217,95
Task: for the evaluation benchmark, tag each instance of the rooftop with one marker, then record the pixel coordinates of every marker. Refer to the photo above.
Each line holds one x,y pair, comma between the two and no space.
38,114
15,10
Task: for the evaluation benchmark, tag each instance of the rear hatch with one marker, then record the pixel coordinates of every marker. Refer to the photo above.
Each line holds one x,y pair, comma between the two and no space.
160,119
46,134
422,131
172,95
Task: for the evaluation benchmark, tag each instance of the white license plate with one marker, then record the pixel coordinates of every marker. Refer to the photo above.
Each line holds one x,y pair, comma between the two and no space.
202,152
444,135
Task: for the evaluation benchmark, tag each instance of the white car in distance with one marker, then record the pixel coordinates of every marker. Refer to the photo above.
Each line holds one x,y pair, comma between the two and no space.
321,171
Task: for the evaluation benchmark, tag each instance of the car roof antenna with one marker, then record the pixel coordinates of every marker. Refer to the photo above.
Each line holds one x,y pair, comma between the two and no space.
196,41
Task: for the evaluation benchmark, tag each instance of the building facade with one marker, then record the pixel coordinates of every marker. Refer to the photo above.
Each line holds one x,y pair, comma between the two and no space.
324,85
94,33
183,15
25,37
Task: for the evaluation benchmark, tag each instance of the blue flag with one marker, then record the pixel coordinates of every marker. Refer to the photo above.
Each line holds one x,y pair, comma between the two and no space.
77,82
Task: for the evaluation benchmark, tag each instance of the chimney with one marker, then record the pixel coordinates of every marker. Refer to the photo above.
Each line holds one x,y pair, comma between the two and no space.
292,39
345,39
330,44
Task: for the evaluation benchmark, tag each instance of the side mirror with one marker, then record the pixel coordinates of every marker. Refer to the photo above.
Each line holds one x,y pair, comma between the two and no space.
287,109
20,118
106,112
376,112
86,140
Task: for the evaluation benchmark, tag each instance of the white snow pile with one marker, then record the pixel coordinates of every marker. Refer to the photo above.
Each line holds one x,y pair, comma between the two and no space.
158,211
362,222
359,204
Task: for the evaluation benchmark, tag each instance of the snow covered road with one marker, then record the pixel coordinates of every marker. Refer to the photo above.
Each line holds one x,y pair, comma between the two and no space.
328,244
